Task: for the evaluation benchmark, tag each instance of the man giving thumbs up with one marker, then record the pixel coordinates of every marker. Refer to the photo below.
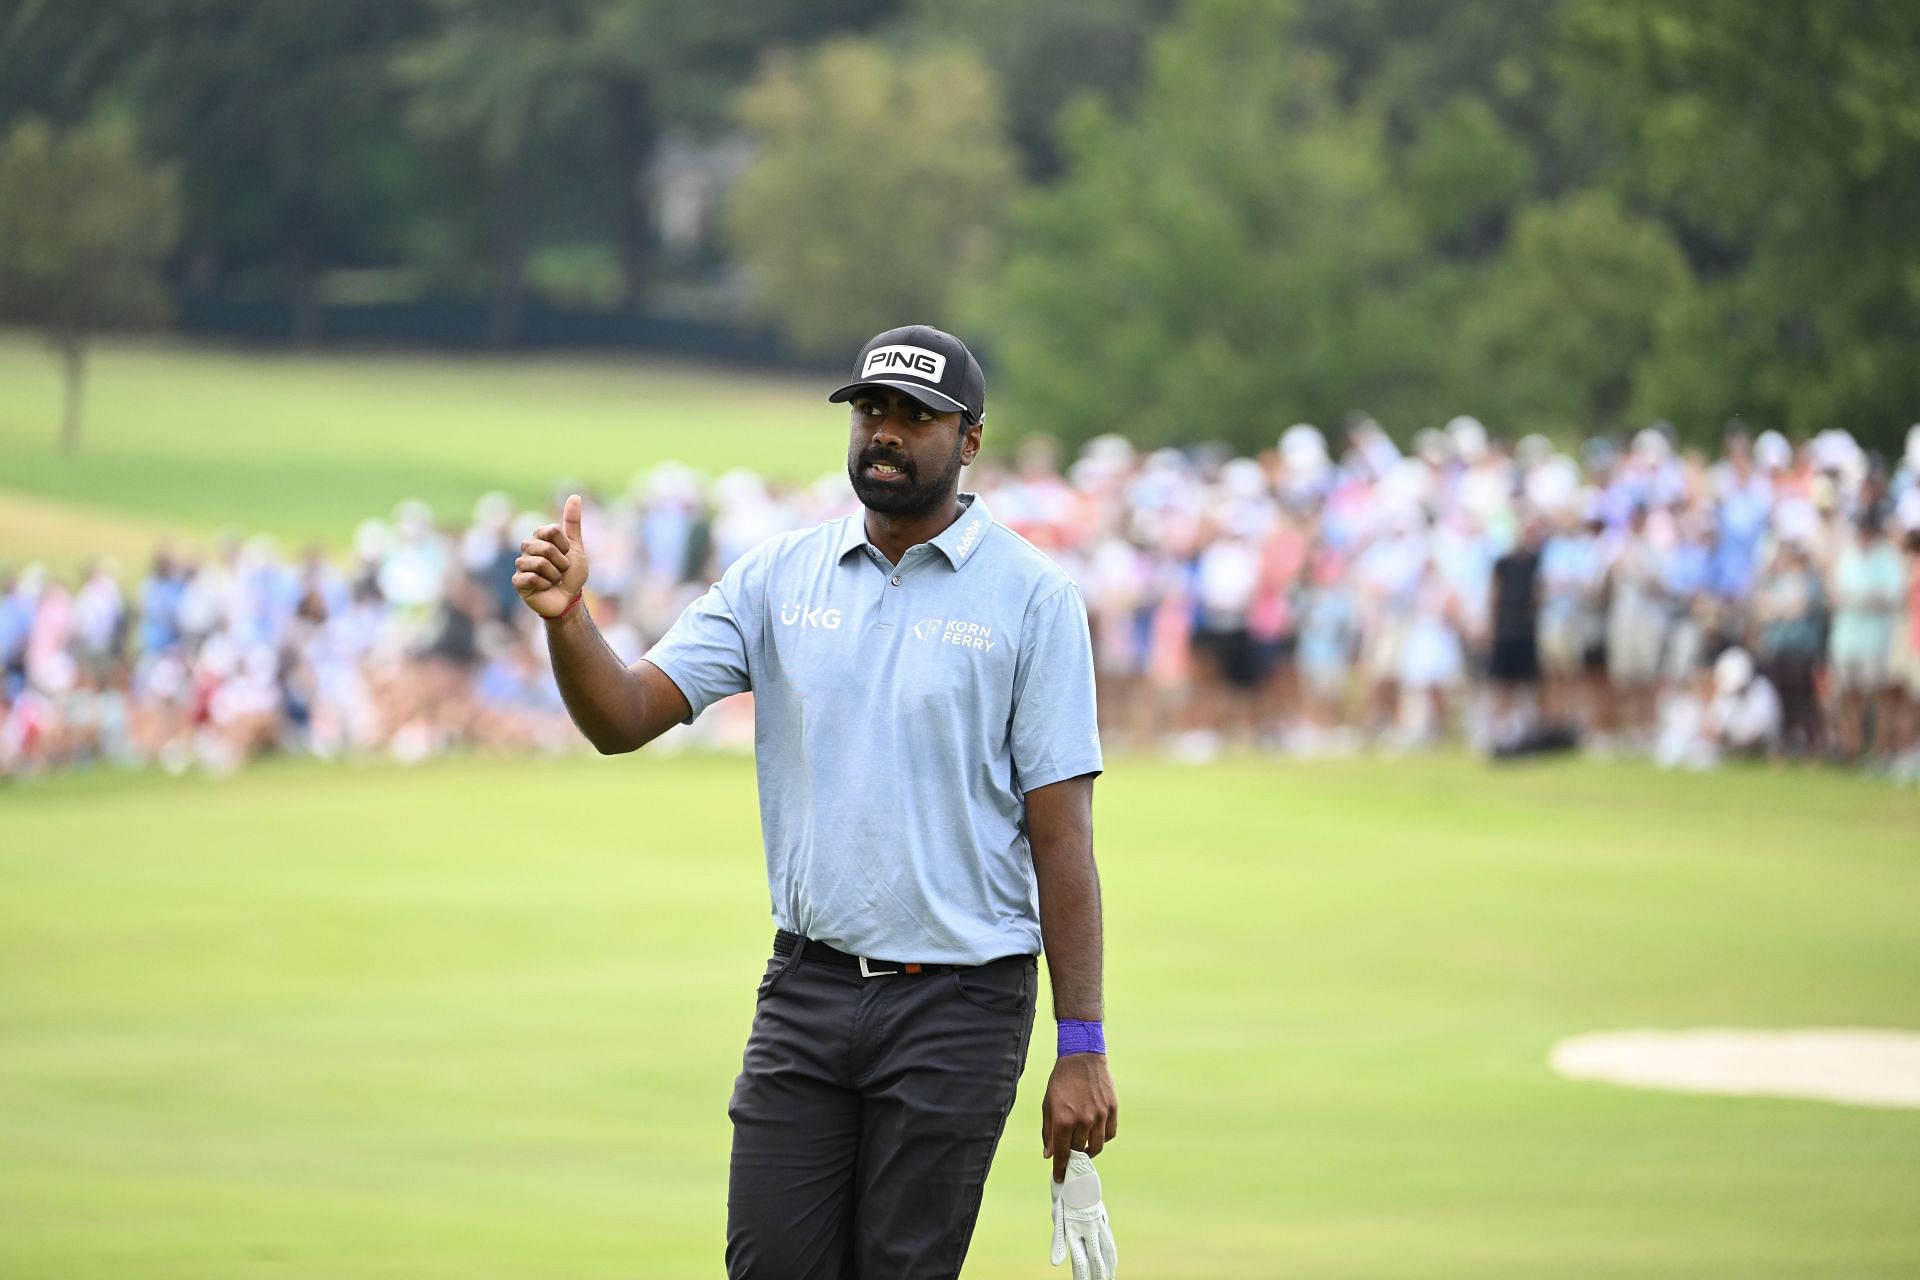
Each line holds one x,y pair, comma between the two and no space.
926,745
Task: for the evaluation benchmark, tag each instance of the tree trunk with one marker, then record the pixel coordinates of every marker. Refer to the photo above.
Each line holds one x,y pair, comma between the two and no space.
509,296
509,262
73,359
634,123
307,320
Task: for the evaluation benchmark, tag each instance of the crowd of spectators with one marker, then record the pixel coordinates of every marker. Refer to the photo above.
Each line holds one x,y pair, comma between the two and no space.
1325,596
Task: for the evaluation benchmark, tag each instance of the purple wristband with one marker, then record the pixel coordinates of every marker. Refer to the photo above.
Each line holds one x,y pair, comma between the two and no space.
1081,1037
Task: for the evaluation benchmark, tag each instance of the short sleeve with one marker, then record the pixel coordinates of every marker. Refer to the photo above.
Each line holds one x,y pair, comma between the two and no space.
1056,728
705,651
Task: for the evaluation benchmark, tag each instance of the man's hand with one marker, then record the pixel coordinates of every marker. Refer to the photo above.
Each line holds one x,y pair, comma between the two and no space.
1080,1112
1080,1229
552,569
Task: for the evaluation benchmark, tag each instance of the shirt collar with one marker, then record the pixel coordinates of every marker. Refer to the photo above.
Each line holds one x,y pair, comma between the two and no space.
961,539
853,534
958,541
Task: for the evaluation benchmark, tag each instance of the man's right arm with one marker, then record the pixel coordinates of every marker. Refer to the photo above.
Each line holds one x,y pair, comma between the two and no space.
619,708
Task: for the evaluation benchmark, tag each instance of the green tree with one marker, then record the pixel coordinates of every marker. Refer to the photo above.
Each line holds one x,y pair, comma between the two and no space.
1227,259
501,93
1464,173
1782,140
878,189
283,119
548,116
58,57
1045,55
1410,59
1558,331
669,65
85,226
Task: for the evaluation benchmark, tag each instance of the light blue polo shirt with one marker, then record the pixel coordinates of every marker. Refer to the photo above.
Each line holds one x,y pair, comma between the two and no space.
901,713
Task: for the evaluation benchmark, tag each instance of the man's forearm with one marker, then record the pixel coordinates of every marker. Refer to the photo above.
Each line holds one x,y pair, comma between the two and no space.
1079,1112
606,700
1070,931
1061,835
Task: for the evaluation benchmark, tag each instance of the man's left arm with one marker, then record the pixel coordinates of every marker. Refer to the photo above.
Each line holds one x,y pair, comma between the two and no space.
1056,754
1080,1111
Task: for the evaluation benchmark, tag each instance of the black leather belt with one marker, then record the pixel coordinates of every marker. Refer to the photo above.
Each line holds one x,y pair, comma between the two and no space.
784,942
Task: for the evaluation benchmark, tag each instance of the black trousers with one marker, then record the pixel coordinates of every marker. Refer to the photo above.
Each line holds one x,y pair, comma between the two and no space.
866,1114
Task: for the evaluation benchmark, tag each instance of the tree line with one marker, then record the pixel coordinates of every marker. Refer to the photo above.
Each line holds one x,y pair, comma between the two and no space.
1182,221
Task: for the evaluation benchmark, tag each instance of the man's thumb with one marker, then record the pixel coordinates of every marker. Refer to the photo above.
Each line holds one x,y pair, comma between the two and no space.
571,517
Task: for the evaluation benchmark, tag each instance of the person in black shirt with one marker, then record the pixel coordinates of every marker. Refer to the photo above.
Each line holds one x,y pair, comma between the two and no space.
1514,663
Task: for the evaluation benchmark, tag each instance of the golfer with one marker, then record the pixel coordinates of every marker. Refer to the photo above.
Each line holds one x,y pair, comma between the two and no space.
926,748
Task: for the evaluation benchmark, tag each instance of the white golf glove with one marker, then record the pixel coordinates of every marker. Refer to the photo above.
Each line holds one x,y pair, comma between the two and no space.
1080,1229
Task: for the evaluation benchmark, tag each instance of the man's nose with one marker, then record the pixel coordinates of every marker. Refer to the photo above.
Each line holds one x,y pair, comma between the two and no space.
888,429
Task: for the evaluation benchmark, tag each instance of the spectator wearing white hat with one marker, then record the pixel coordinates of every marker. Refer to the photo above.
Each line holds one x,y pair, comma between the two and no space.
1742,496
1906,480
1118,592
414,570
1573,616
1636,625
1329,636
1772,454
1388,575
99,619
1306,467
1744,717
1431,663
1226,578
488,549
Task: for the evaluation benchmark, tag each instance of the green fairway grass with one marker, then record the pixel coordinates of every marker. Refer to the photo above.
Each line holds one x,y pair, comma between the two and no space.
480,1019
306,446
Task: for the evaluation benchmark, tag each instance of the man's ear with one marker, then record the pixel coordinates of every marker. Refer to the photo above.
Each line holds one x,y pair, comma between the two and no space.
971,449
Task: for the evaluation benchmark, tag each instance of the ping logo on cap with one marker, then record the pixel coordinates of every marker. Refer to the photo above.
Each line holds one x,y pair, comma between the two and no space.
918,361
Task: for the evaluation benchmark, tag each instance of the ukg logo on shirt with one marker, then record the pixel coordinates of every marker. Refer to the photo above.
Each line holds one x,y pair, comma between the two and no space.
797,615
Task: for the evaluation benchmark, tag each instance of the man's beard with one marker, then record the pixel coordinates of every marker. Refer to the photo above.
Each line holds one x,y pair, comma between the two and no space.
912,498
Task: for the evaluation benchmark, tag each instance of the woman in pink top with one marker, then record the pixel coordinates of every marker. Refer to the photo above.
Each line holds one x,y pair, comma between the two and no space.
1283,560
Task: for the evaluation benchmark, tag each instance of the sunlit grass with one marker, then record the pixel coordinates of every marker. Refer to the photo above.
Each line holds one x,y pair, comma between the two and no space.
304,447
480,1019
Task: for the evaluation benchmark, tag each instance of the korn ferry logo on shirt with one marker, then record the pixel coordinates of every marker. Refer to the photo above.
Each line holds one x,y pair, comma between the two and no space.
955,631
918,361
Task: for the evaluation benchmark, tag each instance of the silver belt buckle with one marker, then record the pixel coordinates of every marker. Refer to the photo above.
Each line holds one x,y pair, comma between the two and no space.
865,972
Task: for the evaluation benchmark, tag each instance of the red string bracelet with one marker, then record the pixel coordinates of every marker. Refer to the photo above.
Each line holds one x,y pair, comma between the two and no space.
570,607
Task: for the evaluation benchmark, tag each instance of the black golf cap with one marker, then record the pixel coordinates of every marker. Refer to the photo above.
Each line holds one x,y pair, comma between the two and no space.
929,364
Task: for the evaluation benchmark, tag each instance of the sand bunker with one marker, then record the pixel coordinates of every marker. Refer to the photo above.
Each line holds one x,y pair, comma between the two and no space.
1855,1066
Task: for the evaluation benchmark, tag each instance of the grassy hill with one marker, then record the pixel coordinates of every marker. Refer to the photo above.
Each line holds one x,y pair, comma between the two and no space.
480,1019
193,440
